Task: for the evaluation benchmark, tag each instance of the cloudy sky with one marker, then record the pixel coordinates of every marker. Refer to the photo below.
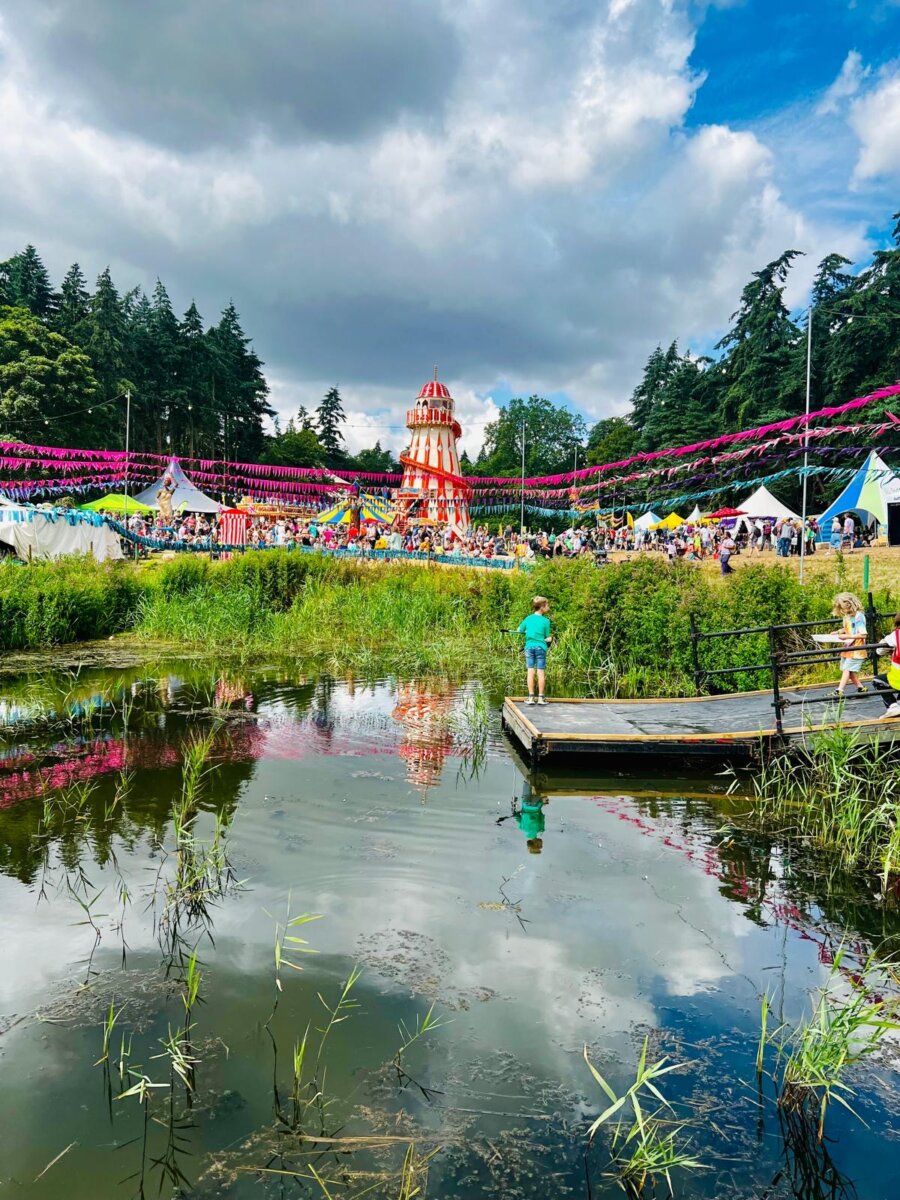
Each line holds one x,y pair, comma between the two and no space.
530,193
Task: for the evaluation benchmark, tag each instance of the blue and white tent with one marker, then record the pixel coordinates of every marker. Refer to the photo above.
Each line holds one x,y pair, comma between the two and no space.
867,495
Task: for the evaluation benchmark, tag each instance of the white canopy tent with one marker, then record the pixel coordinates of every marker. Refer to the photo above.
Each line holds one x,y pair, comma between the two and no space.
34,533
694,517
762,505
646,521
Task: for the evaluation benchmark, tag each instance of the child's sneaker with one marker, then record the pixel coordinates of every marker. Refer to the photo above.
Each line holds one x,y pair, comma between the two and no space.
530,700
541,700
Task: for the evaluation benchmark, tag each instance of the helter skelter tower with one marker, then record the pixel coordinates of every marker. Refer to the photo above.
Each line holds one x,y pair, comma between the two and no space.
433,489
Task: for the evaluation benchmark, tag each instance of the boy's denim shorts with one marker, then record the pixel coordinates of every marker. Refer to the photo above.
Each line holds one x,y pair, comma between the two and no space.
536,656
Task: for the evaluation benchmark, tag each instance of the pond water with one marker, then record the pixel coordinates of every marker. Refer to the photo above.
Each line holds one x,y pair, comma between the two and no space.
538,914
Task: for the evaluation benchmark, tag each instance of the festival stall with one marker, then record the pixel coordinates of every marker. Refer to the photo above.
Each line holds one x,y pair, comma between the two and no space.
867,495
761,505
648,521
672,521
233,526
35,533
116,502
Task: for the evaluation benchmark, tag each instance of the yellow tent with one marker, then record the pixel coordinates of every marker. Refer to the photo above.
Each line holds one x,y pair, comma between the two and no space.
672,521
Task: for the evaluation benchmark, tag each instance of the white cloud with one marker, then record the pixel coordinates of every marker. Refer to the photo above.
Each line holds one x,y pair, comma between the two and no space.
875,119
848,83
550,224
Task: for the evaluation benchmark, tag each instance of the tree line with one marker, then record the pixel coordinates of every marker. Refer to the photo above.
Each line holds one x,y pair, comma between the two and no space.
69,356
756,374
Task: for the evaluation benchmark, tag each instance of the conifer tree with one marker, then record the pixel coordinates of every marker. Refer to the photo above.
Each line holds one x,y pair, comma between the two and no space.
864,350
759,351
195,375
27,284
239,388
329,417
74,305
104,339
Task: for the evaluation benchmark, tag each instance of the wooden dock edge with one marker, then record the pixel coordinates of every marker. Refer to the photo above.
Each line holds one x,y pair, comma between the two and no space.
740,743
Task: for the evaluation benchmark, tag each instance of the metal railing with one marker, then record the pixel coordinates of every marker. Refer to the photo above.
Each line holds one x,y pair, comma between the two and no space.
781,658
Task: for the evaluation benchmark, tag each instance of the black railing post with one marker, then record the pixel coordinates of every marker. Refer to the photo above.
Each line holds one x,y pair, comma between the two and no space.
776,689
695,653
872,631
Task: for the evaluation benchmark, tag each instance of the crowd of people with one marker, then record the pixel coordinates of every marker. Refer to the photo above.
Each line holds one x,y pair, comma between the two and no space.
688,541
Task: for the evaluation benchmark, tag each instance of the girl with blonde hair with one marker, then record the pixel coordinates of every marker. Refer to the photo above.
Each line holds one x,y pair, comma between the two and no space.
849,608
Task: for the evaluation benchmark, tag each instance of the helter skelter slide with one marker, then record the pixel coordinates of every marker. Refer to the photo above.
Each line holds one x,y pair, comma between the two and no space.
433,492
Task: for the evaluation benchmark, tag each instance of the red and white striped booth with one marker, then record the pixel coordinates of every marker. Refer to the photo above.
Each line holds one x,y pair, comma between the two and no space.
233,526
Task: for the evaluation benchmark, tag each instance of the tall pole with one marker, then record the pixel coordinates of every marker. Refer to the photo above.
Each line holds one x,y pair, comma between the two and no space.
573,494
522,514
127,439
806,438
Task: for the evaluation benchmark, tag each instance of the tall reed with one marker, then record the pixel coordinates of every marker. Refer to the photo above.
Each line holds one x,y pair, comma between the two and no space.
843,795
651,1145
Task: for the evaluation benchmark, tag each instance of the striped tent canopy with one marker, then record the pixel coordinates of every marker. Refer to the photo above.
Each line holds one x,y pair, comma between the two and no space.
868,493
371,509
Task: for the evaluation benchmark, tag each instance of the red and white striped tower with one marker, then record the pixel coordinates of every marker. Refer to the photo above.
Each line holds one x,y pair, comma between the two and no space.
432,486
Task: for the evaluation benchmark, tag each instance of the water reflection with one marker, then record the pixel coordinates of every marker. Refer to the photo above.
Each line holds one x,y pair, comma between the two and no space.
625,907
423,710
528,815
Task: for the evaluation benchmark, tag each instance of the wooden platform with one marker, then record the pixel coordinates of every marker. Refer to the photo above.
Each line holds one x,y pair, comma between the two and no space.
716,727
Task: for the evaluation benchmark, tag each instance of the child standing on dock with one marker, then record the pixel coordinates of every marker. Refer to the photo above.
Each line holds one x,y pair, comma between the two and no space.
538,636
849,608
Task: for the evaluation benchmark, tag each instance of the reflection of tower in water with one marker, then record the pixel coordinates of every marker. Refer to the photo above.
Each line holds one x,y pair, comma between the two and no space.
423,709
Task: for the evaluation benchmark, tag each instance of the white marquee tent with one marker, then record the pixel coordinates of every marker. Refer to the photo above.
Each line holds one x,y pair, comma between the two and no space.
761,505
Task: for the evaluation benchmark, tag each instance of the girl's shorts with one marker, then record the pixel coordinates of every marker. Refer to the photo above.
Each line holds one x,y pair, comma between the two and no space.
849,662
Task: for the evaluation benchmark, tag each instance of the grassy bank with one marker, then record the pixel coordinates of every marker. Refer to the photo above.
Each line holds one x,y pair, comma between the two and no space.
623,628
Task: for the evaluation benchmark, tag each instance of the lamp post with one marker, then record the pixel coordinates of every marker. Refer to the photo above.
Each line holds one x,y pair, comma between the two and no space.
127,441
806,439
522,512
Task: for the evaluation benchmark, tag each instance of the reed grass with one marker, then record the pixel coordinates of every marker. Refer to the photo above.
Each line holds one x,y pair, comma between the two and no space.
649,1147
848,1023
623,630
843,795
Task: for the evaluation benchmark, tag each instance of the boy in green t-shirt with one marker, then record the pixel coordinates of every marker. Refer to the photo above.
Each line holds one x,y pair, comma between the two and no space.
538,637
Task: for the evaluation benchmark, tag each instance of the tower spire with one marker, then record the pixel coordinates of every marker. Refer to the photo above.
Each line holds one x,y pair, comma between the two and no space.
435,370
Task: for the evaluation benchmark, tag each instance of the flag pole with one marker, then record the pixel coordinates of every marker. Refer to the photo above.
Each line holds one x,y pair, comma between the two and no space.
522,513
806,438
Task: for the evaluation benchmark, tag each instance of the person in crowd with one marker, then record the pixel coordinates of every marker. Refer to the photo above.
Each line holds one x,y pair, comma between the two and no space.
853,621
889,688
538,638
727,547
848,541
